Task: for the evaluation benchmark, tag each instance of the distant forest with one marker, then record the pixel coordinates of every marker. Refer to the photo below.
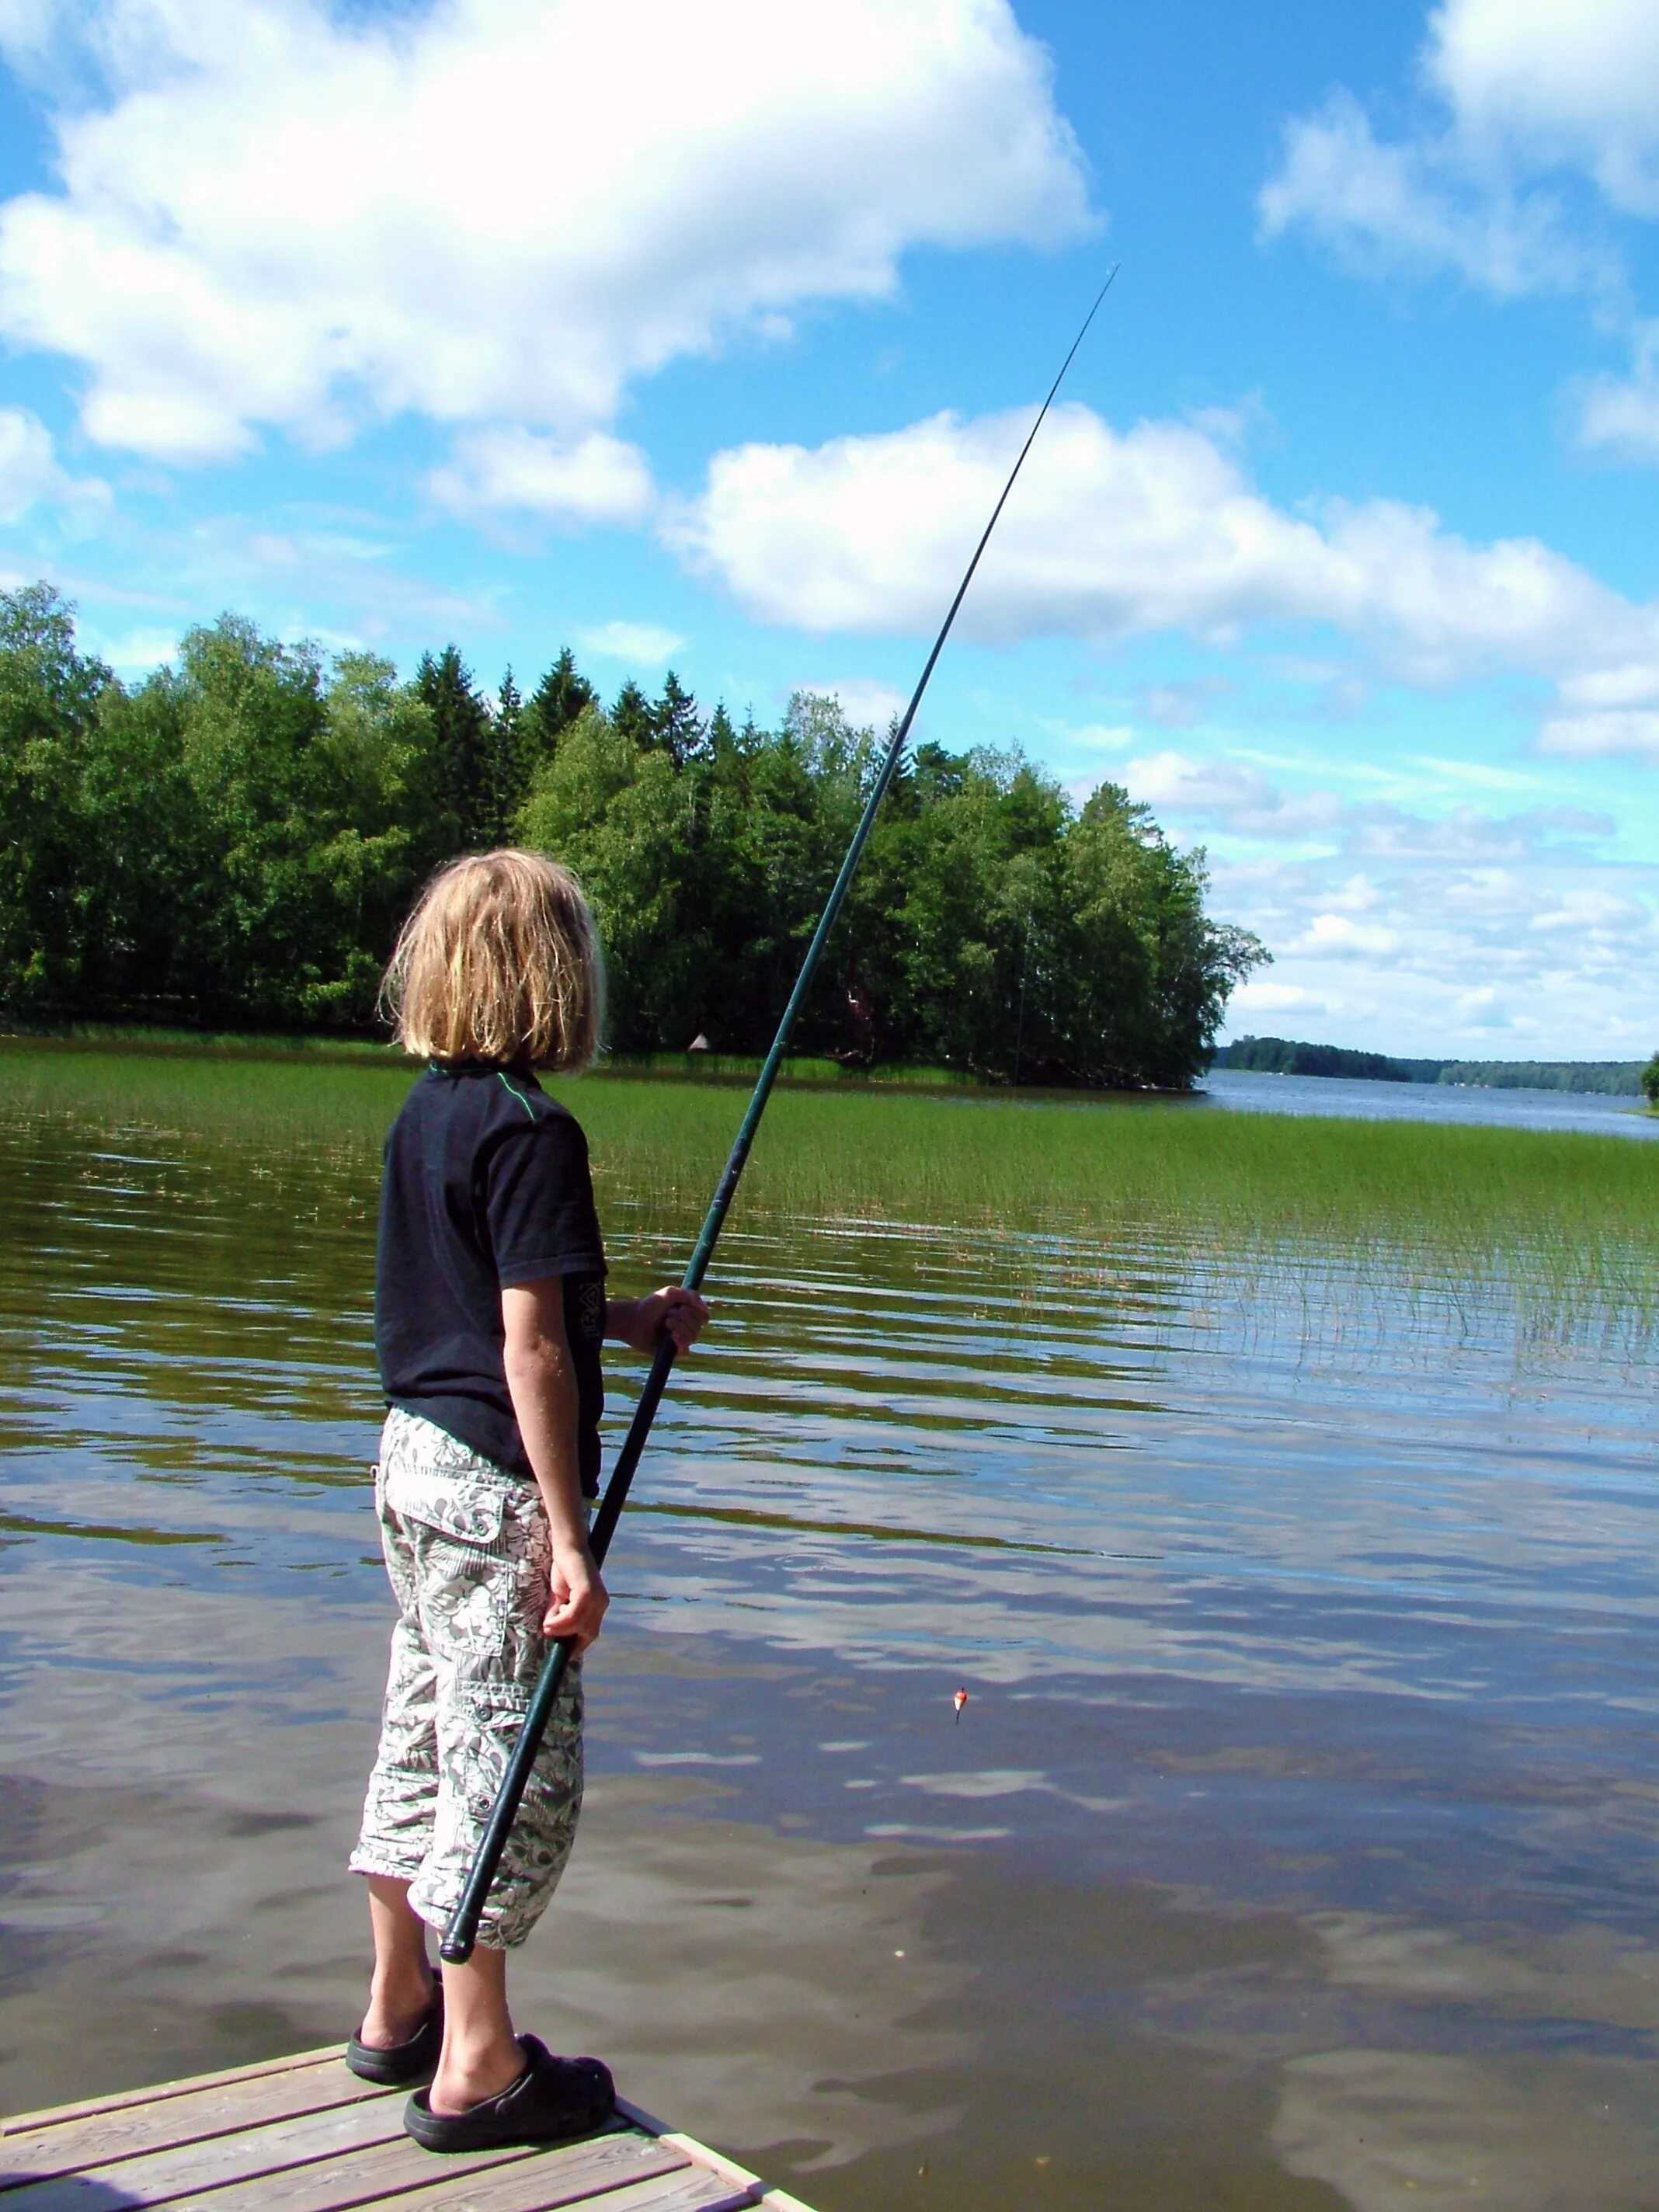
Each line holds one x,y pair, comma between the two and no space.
232,842
1288,1056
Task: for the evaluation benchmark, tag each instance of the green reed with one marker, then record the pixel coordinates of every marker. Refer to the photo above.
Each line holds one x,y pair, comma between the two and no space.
1577,1209
1569,1215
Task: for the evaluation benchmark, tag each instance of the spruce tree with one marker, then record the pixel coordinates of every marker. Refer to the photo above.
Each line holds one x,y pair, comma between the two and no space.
901,788
462,778
722,737
632,716
675,723
556,703
509,766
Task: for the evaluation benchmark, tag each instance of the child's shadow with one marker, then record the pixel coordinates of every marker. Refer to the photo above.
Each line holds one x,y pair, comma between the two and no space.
74,2192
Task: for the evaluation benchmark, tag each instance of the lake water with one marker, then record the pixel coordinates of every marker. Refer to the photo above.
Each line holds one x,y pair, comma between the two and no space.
1595,1113
1297,1849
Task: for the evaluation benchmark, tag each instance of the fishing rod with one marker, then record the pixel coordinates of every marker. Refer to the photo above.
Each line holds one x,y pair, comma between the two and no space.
461,1934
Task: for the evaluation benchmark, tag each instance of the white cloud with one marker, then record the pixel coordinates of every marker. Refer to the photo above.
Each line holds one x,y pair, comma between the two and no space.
1337,936
631,640
273,217
1620,415
26,29
30,475
1628,685
1259,998
1415,932
1526,91
1631,733
27,465
868,703
1611,711
1449,926
136,652
1598,913
1231,792
313,560
1576,86
1097,736
1383,205
1358,894
1183,704
1483,1008
1487,891
598,479
1383,953
1467,835
1113,533
1481,775
1234,796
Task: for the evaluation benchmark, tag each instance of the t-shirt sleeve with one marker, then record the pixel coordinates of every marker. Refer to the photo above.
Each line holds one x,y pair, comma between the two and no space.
539,1198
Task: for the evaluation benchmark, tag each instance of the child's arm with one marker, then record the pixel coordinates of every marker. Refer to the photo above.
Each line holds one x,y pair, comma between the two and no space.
541,1382
643,1323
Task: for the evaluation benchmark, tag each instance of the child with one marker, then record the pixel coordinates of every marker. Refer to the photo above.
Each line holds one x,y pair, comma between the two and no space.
490,1310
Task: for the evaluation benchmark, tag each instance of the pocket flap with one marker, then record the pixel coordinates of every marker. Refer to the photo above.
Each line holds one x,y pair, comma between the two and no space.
468,1512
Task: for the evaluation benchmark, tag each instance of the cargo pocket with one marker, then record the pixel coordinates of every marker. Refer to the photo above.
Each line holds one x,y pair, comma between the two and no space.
492,1714
465,1512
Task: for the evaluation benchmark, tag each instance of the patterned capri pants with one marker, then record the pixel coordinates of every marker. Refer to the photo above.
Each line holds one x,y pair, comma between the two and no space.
467,1548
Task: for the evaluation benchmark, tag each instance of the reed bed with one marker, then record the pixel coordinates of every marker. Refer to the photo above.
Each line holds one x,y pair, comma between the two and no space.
1565,1220
1562,1224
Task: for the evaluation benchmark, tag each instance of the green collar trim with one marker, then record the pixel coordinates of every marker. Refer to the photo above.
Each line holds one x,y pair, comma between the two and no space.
502,1077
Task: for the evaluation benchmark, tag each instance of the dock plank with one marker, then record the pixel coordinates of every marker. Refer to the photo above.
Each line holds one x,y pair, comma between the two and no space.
161,2176
303,2134
694,2191
73,2146
335,2183
121,2100
727,2169
393,2171
527,2188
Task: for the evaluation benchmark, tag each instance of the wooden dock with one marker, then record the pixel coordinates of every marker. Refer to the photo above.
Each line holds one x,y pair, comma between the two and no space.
303,2134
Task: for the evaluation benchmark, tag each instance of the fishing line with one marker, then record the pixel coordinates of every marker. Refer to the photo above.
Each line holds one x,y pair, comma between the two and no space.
462,1931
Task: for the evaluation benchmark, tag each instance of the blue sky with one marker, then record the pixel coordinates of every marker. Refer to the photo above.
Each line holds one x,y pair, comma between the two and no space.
703,336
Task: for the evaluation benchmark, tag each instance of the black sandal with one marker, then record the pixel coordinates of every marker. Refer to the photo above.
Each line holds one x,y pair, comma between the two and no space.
400,2065
551,2101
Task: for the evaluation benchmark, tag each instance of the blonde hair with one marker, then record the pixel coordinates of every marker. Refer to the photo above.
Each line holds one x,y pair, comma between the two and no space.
499,960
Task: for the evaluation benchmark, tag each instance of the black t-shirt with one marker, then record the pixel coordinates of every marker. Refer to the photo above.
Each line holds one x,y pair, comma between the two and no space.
486,1186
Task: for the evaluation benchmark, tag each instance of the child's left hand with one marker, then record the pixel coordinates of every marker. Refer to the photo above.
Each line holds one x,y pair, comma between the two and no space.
672,1312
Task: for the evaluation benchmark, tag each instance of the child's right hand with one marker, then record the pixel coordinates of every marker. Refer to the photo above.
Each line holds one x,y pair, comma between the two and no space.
576,1599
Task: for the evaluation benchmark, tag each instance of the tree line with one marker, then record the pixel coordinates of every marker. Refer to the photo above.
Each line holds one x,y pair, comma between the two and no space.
1272,1056
1292,1056
232,842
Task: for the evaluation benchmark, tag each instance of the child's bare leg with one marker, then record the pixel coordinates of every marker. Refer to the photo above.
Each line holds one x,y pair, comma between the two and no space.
401,1990
481,2055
